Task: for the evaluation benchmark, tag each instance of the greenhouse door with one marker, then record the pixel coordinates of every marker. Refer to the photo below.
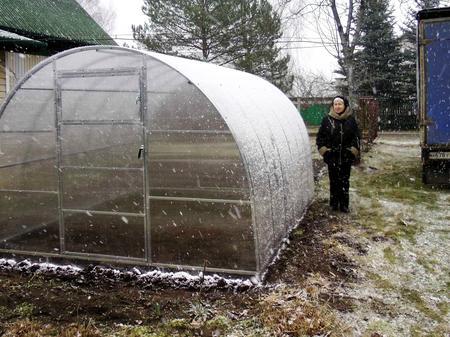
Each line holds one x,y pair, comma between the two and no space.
100,137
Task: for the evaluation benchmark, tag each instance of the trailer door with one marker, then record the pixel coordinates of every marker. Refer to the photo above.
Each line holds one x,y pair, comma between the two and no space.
437,73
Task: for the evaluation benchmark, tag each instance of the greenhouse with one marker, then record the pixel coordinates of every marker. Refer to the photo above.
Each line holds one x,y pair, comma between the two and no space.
120,156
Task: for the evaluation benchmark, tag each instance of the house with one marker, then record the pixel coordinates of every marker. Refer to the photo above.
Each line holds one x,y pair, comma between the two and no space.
30,31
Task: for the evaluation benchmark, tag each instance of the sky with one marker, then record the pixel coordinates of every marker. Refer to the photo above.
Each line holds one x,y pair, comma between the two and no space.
127,13
313,59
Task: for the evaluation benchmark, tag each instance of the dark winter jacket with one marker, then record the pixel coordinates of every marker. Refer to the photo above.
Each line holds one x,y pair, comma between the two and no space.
338,139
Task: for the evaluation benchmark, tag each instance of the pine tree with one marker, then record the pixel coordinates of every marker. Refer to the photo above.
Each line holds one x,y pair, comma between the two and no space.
257,53
239,33
194,29
377,63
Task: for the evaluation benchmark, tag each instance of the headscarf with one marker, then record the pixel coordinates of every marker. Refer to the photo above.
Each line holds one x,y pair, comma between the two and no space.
344,99
347,111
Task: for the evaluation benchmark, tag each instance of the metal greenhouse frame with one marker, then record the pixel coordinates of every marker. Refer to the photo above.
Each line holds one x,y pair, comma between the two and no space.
121,156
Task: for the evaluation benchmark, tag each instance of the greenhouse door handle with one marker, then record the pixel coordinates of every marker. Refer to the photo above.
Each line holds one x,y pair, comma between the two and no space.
141,149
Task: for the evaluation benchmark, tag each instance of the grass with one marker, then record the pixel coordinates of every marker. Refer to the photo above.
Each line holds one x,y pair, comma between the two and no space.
396,184
440,331
200,311
219,323
444,308
136,331
372,219
24,310
380,282
175,327
178,327
287,313
378,328
401,229
427,264
30,328
5,313
395,228
413,296
389,255
383,308
399,183
250,327
178,324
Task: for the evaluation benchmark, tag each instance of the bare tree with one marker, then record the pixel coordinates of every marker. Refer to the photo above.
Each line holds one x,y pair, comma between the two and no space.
337,24
104,16
341,35
340,31
310,84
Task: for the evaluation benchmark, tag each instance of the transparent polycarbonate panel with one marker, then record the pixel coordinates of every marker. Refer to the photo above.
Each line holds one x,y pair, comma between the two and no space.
23,147
103,190
174,103
196,165
110,83
162,78
41,79
197,233
183,110
263,121
100,58
281,188
100,105
27,161
29,222
115,235
29,110
101,145
35,176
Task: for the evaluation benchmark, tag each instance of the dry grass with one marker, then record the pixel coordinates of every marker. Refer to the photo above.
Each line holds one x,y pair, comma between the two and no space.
295,313
29,328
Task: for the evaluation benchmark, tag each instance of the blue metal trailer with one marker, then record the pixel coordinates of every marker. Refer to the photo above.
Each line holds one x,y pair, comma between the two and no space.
433,87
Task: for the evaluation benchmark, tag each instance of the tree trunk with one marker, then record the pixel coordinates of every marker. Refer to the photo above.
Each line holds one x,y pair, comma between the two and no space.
348,46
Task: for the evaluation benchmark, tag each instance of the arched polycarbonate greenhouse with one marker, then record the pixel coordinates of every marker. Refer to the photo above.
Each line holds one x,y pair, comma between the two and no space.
121,156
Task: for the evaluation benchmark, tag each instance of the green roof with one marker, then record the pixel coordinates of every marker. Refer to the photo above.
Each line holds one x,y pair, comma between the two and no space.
13,41
62,24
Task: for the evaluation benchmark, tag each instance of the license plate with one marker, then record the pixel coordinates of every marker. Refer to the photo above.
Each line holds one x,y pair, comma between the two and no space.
439,155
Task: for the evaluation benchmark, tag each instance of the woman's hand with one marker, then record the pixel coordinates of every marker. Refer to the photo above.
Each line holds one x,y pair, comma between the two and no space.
349,155
327,157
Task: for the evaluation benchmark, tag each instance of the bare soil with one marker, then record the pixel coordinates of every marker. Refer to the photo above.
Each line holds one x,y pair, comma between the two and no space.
109,302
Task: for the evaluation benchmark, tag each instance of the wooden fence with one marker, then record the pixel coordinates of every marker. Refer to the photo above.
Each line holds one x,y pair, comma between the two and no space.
398,114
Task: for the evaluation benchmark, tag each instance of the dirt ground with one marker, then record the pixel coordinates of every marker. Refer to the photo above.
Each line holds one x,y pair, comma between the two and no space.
382,270
121,306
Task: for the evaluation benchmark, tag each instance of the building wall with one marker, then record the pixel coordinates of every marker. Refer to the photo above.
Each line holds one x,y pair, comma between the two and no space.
17,65
13,66
2,76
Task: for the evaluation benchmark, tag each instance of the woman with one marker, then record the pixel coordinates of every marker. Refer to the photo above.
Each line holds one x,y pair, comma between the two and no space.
338,144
